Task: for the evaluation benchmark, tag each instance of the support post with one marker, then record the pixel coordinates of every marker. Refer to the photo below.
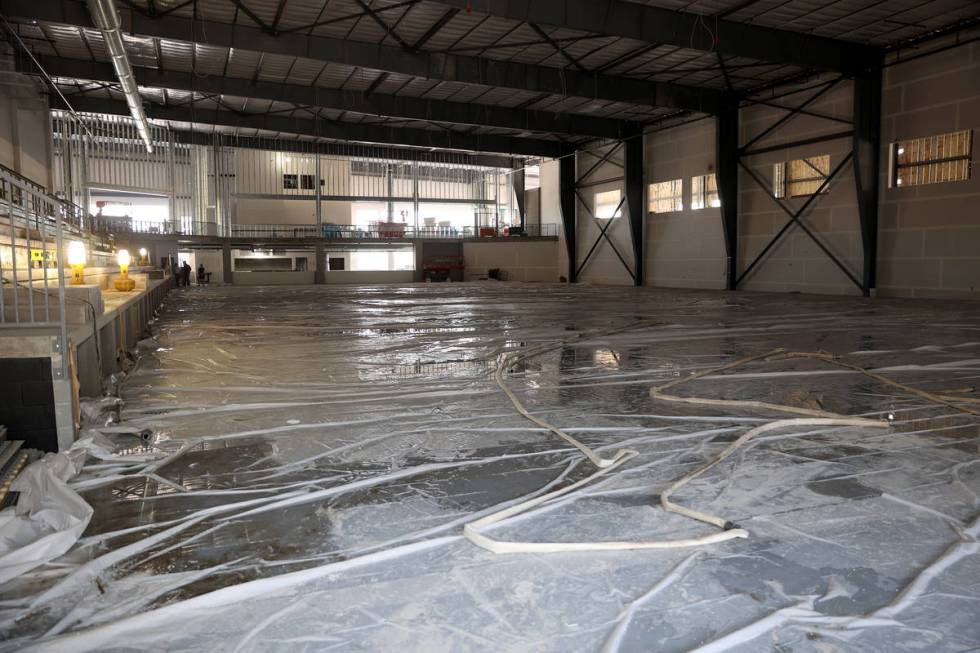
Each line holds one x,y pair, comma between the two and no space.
566,201
726,178
318,190
517,180
219,200
390,185
319,264
496,202
86,191
634,202
226,273
415,194
867,153
172,179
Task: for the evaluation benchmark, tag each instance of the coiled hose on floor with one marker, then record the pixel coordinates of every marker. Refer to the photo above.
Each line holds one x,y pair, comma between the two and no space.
729,531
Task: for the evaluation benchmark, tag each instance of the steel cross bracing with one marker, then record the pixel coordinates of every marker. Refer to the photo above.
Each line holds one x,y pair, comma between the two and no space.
794,218
632,198
864,153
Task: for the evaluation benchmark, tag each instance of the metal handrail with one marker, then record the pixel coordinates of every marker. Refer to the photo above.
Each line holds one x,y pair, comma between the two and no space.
73,216
31,296
379,231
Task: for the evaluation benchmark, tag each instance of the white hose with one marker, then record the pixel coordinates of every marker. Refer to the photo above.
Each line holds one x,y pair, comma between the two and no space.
730,449
729,531
944,400
603,465
593,457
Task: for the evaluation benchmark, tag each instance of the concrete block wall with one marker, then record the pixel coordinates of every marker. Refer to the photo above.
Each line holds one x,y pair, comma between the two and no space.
521,260
684,249
929,239
27,408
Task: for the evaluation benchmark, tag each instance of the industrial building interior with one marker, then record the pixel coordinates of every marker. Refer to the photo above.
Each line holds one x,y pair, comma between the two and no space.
472,325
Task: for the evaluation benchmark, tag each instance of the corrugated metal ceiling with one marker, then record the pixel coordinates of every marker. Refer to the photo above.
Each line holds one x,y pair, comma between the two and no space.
476,35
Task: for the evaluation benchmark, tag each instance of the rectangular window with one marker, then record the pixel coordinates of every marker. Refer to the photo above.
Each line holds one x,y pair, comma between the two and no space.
801,177
704,192
375,260
666,196
932,160
290,181
608,204
306,182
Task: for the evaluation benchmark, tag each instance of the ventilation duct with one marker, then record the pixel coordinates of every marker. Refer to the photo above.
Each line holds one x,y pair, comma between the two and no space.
107,19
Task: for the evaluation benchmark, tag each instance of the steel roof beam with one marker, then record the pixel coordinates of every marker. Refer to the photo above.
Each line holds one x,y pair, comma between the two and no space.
344,149
342,131
434,29
370,103
651,24
431,65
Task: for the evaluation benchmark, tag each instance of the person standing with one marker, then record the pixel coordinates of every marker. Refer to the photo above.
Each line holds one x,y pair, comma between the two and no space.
186,273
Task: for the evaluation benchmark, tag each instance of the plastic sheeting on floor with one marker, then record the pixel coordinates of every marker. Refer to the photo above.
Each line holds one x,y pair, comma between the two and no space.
315,453
49,516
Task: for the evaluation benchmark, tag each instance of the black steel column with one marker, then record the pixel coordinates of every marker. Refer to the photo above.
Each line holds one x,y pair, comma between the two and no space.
227,276
517,180
634,202
726,177
319,262
566,199
867,154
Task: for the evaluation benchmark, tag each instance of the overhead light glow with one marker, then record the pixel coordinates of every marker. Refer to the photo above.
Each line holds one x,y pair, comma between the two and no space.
76,253
76,259
124,283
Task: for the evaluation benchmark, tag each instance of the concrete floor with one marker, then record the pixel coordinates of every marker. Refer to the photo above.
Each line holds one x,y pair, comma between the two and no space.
319,449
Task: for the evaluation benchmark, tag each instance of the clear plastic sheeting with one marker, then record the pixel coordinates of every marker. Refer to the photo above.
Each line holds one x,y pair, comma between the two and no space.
314,453
49,516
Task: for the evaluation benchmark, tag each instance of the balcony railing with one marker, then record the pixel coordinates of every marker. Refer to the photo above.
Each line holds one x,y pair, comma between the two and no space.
111,225
391,231
383,231
31,203
32,276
